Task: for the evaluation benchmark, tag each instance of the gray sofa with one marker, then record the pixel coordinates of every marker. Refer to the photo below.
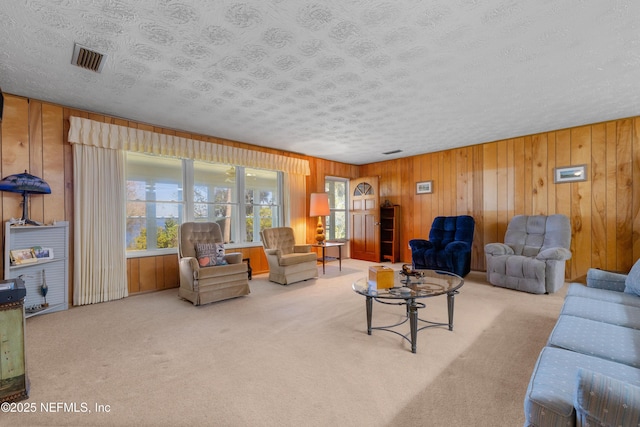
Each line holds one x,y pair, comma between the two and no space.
588,374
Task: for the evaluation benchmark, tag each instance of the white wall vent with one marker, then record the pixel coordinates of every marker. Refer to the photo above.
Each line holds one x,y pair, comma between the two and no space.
87,58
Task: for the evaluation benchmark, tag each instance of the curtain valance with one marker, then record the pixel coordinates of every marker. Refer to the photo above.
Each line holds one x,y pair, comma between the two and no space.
115,137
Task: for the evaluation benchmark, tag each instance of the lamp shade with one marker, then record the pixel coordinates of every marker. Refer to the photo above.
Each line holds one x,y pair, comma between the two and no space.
24,183
319,205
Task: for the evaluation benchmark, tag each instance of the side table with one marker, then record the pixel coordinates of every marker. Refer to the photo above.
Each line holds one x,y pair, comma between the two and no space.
326,245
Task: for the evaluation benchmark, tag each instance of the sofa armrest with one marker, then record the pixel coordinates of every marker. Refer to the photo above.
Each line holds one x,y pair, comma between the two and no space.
189,264
301,249
603,279
273,252
233,257
554,254
498,249
417,244
602,400
189,270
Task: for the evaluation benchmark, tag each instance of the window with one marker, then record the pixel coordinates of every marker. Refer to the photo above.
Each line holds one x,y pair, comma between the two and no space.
243,201
154,202
215,197
336,227
262,201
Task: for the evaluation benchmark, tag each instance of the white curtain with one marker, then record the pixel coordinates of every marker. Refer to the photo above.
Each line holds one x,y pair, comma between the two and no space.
100,265
295,215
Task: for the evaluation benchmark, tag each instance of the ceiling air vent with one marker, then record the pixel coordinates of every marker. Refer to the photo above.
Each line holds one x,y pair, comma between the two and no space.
392,152
87,58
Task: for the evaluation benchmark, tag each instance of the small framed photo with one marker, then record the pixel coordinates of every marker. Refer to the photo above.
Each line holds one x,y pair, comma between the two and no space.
570,174
22,256
43,253
424,187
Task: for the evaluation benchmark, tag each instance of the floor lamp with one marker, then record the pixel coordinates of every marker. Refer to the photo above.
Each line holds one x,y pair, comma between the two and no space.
319,207
25,184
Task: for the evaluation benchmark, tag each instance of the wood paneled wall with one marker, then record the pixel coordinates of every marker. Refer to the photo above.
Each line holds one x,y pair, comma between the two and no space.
34,138
495,181
492,182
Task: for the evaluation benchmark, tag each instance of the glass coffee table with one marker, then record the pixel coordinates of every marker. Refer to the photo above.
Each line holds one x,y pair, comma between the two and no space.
407,290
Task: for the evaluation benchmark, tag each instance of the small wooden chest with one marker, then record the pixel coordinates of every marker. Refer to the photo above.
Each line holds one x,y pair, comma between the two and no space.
382,276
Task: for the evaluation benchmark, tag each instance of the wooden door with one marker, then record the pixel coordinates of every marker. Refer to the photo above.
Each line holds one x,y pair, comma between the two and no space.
365,219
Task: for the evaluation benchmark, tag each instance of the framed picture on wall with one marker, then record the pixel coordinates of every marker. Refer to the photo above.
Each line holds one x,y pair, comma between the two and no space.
570,174
424,187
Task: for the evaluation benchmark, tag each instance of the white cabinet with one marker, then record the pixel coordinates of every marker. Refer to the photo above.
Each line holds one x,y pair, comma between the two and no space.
54,271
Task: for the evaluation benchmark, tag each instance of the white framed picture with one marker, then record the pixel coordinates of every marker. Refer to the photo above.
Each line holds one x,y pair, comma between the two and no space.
424,187
570,174
43,253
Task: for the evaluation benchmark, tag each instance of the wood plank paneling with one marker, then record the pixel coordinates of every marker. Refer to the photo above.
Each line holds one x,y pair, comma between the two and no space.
635,195
624,196
580,202
611,194
518,182
492,182
490,192
36,201
502,185
15,150
53,162
539,170
598,177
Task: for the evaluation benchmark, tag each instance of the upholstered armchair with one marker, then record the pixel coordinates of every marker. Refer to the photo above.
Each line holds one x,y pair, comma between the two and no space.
533,255
448,247
207,273
288,262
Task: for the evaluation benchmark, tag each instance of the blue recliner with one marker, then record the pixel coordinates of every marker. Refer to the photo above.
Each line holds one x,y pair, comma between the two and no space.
448,247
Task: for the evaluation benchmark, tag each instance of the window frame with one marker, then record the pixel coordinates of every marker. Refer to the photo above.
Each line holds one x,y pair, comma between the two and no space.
329,225
188,205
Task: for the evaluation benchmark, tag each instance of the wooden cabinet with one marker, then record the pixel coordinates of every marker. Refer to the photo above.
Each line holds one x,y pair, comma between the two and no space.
52,270
389,233
14,384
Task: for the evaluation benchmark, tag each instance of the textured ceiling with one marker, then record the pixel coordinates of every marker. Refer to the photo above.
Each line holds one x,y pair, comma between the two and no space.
344,80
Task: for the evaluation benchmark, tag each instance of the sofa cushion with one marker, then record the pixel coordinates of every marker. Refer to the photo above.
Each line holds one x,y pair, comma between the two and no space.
604,401
550,395
298,258
576,289
586,336
632,282
602,311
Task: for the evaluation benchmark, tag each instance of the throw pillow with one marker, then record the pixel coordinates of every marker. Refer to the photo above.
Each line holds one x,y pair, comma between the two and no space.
206,254
632,282
220,254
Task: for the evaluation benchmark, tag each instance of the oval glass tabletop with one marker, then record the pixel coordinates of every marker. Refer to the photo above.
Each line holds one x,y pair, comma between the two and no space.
424,283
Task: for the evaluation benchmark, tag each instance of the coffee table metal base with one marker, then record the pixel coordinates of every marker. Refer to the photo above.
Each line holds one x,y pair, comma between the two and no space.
411,316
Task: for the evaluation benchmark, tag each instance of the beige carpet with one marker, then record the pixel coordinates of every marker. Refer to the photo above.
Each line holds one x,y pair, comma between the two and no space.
286,356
